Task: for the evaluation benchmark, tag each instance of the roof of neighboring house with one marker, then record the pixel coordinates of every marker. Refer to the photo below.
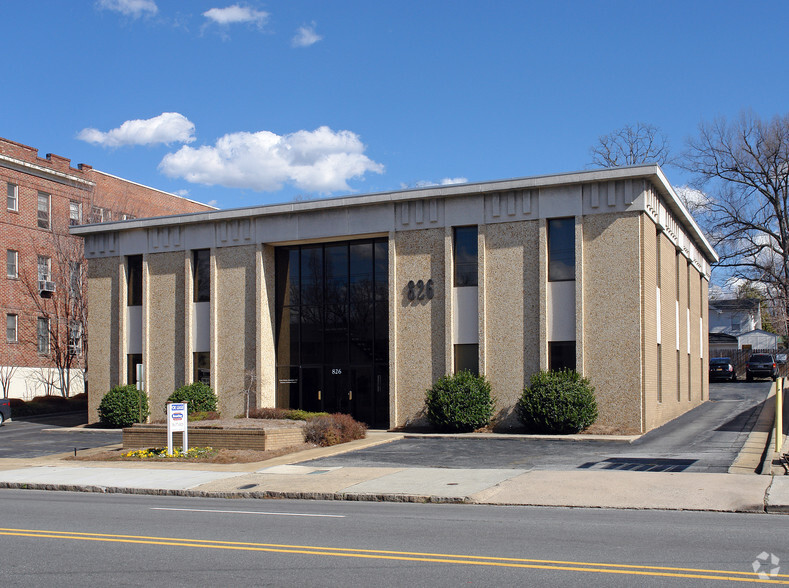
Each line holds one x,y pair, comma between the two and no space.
758,332
722,338
735,305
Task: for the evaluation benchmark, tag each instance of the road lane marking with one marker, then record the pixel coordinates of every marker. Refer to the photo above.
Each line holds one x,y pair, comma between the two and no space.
252,512
459,559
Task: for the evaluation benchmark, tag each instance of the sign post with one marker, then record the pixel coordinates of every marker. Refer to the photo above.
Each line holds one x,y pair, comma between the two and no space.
176,421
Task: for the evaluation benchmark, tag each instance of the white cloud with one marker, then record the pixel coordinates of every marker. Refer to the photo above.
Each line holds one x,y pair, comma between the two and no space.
133,8
444,182
306,36
168,127
237,14
213,203
320,161
693,199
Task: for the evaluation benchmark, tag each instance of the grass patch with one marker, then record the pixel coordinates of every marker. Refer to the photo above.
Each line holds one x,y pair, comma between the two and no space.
288,414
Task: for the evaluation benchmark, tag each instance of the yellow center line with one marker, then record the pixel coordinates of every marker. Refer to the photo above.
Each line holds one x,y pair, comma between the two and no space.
477,560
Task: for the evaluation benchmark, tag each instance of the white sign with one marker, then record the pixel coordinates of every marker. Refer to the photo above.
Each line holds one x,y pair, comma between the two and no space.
177,421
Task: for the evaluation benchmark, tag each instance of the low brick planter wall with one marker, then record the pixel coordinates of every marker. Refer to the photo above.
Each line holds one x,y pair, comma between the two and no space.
143,436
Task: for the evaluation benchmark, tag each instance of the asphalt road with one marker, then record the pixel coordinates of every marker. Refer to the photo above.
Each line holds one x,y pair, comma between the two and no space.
706,439
63,539
48,435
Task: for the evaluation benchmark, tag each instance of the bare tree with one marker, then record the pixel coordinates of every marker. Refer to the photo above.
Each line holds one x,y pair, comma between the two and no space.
631,145
58,293
6,375
743,165
250,387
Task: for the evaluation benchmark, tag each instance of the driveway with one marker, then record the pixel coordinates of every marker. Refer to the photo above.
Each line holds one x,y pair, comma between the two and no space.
706,439
28,437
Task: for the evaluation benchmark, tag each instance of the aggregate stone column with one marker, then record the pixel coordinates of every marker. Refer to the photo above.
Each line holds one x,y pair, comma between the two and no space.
512,307
165,326
612,317
104,326
234,302
420,325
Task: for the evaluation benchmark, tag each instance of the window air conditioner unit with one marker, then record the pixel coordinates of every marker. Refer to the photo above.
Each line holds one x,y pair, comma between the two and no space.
45,286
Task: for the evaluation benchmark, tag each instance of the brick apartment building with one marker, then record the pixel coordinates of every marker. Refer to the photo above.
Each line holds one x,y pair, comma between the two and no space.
42,293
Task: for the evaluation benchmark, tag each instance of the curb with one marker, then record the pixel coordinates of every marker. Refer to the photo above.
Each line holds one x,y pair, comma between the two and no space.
264,494
353,497
517,436
753,454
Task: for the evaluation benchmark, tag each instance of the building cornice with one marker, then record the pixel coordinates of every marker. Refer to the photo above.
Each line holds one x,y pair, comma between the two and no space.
671,213
43,172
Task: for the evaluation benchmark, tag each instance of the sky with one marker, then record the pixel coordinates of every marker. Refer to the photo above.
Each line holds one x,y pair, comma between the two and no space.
238,104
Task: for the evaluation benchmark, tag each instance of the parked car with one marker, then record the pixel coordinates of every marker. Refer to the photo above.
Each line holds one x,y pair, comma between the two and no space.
721,368
5,410
761,365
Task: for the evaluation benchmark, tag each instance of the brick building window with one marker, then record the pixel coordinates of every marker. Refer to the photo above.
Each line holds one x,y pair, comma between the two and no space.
100,215
75,339
44,211
12,263
11,322
12,202
42,331
75,279
74,213
44,268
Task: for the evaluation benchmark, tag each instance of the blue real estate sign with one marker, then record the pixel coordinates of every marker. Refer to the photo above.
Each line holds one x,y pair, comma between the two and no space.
176,421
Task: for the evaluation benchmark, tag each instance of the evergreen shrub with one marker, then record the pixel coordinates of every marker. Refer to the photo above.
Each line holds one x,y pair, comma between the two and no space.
123,406
557,403
459,402
200,397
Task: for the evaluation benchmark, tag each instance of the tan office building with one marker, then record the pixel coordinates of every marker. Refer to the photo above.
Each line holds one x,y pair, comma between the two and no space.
359,304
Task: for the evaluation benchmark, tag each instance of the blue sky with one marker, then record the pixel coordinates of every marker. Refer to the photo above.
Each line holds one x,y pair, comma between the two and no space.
245,103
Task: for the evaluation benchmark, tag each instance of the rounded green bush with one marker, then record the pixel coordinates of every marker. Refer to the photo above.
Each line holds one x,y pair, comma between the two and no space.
459,402
557,403
200,397
123,406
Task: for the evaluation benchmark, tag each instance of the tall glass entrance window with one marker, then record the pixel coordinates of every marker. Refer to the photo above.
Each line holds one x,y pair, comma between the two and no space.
333,328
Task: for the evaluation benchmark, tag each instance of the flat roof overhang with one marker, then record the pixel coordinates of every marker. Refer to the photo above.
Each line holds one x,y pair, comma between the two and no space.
650,172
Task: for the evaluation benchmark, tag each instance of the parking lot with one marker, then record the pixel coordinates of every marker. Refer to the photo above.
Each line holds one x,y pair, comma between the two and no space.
49,435
706,439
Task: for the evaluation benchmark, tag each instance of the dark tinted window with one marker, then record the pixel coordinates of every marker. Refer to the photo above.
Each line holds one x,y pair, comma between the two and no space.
201,269
561,355
134,280
202,367
561,249
720,361
762,358
465,250
467,358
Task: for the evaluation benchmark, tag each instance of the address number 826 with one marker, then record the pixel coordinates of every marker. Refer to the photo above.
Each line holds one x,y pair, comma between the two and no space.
420,290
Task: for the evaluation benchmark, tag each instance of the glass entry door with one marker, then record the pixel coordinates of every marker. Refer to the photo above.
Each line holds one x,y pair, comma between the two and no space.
332,309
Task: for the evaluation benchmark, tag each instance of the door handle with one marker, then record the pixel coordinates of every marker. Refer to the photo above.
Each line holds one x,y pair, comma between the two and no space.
319,394
350,394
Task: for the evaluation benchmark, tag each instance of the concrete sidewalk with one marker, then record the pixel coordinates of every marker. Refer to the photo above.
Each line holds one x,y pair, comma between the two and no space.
283,477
